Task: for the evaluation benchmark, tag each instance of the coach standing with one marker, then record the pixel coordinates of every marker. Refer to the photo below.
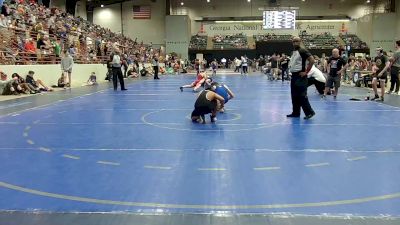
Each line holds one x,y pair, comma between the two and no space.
116,71
298,84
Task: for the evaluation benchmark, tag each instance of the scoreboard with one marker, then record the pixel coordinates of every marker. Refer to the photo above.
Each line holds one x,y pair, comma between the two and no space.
283,19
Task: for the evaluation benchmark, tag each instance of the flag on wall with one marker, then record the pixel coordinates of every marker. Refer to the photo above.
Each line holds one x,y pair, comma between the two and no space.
141,12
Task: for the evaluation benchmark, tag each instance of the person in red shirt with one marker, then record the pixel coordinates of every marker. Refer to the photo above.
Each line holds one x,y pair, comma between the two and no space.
30,46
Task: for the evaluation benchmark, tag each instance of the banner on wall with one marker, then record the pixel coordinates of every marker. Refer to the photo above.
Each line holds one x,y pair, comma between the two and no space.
257,28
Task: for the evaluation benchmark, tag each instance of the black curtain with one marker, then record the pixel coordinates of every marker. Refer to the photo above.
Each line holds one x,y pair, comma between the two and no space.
70,6
46,3
219,54
271,47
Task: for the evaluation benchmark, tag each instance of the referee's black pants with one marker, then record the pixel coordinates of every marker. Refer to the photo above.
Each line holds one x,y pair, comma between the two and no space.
318,84
394,81
155,68
298,88
117,75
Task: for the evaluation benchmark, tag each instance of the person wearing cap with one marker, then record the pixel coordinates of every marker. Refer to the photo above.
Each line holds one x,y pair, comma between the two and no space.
298,83
382,63
67,62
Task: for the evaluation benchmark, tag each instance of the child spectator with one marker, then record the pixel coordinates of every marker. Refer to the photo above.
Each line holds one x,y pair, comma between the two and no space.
92,79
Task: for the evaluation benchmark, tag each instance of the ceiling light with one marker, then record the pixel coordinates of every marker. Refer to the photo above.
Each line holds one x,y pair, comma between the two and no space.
182,3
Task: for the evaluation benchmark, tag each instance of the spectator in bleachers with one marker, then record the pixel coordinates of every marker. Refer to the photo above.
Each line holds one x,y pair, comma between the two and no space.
38,27
5,10
70,31
277,37
230,41
198,42
3,21
43,43
30,46
56,47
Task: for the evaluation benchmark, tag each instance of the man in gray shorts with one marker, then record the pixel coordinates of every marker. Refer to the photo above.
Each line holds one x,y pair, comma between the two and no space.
383,64
394,70
336,66
67,62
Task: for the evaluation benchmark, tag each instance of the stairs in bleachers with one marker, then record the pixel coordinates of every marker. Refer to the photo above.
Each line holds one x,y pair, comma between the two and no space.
210,43
251,42
340,41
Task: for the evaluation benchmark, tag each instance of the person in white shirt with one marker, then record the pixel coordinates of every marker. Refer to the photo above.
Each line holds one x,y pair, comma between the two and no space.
298,84
3,21
316,77
223,62
116,70
67,62
238,62
244,65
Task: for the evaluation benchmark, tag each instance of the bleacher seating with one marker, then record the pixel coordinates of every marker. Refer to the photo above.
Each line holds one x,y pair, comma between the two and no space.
273,37
319,41
237,41
57,31
198,42
354,41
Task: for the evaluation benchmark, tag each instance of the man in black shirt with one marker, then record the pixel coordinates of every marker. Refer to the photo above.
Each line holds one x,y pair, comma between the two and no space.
383,64
298,84
336,66
284,66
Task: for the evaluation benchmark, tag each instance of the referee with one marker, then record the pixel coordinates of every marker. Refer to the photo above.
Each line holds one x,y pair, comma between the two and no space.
298,84
116,70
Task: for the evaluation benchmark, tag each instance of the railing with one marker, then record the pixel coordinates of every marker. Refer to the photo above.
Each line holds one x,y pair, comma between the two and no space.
31,58
12,49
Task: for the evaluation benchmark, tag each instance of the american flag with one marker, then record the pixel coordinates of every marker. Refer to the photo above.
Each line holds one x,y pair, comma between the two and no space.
141,12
